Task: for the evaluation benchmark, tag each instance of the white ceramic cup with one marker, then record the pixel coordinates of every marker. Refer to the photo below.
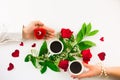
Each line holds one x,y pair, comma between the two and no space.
76,67
55,47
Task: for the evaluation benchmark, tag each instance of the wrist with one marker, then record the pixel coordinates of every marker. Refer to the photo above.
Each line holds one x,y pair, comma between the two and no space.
107,70
104,71
24,33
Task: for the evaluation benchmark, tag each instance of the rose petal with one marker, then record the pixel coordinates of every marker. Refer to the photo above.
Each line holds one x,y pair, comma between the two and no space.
102,56
21,44
102,39
86,54
66,33
15,53
63,64
10,67
34,45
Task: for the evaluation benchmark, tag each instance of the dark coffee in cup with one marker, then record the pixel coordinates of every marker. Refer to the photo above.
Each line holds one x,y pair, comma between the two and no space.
55,47
76,67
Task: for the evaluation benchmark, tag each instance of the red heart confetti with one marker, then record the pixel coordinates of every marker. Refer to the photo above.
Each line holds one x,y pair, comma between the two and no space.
34,45
15,53
10,67
102,39
21,44
101,56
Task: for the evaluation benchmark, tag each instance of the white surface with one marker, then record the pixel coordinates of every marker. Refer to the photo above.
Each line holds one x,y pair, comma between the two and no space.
103,14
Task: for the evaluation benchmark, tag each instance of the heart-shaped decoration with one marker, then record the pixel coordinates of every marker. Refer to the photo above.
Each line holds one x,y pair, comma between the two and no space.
21,44
39,33
101,56
34,45
15,53
10,67
102,39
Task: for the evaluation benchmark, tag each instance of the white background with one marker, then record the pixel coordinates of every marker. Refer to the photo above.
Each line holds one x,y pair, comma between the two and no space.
103,14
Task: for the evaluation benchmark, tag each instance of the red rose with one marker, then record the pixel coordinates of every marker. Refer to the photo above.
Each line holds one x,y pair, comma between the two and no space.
86,60
39,33
63,64
86,54
102,56
66,33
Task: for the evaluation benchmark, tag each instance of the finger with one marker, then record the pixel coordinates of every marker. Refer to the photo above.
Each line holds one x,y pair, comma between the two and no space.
49,29
39,25
37,22
83,75
46,38
86,75
50,34
74,76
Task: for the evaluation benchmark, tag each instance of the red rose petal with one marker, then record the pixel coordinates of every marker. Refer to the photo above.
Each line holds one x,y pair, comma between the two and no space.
87,55
86,60
34,45
10,67
63,64
66,33
15,53
102,39
21,44
102,56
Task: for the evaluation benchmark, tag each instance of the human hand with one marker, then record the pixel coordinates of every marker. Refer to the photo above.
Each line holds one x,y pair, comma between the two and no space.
93,70
28,31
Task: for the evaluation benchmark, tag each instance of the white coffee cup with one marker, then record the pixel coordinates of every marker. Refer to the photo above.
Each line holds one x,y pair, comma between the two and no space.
55,47
76,67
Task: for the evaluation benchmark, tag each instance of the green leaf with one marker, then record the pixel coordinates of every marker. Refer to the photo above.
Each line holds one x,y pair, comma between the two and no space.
79,37
88,28
42,63
71,58
43,49
69,45
43,69
93,33
52,58
64,44
72,39
86,44
33,60
84,29
52,66
81,33
28,58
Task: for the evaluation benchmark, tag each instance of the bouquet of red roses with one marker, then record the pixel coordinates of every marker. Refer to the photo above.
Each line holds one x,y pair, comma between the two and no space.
74,47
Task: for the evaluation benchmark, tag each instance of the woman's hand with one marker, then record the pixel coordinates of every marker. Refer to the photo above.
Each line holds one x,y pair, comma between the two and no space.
28,31
93,70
